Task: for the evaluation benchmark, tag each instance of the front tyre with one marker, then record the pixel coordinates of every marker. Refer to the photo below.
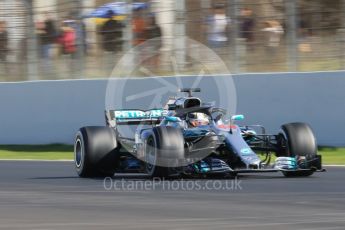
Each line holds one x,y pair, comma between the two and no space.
95,151
299,141
164,148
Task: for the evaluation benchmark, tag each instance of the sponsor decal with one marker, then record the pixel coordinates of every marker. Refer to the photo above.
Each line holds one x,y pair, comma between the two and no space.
133,114
155,113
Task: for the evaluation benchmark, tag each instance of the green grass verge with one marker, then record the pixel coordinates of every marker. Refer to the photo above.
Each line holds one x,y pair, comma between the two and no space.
65,152
37,152
332,156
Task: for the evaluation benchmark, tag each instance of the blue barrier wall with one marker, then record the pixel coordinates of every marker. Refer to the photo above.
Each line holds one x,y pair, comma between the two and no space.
51,111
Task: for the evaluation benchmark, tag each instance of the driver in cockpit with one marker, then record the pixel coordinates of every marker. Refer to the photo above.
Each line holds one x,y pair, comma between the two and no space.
197,119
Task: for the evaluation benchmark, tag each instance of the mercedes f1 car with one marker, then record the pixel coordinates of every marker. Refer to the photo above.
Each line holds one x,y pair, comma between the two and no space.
189,138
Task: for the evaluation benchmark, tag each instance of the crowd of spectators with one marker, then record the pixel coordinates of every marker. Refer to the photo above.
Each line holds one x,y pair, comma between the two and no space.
3,44
220,29
72,38
69,36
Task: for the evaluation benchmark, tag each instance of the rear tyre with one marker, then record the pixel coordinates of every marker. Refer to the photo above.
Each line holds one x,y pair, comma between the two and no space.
299,141
95,151
164,147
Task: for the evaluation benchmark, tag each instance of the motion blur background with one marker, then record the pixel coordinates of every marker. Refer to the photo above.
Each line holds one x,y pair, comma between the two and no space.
73,39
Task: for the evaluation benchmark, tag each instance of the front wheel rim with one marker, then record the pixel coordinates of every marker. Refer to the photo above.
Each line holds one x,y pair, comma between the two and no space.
78,153
151,156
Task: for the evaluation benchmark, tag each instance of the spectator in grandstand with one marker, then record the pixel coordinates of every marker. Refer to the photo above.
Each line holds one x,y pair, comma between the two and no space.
67,38
247,26
304,34
153,31
111,32
48,35
217,26
3,47
273,32
79,27
81,35
139,26
41,36
3,42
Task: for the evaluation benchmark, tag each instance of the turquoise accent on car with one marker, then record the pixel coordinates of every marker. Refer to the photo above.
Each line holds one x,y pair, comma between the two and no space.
239,117
203,167
194,132
286,163
246,151
172,119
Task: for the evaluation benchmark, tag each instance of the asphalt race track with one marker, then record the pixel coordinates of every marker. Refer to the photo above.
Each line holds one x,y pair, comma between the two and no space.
48,195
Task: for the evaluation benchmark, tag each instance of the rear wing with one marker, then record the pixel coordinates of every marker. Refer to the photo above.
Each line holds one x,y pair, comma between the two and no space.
133,117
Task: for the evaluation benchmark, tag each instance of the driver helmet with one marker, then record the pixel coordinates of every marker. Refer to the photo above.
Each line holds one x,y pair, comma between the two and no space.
198,119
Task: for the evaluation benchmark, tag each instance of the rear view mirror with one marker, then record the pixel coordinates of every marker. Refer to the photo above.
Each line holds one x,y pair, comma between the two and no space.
239,117
218,117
